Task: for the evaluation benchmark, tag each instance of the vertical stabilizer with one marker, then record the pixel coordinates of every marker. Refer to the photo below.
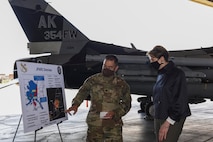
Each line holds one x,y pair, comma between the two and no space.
46,29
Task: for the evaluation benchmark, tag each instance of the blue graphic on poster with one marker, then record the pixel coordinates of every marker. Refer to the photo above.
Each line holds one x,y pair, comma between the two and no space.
32,95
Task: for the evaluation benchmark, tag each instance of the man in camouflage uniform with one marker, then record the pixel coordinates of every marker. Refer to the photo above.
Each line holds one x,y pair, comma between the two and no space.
110,100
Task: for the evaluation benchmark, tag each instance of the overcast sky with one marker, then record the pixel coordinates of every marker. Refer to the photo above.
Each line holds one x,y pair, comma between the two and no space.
175,24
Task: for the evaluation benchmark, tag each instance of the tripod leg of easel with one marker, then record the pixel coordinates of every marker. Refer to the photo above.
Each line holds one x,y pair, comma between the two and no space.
36,132
35,136
59,132
17,128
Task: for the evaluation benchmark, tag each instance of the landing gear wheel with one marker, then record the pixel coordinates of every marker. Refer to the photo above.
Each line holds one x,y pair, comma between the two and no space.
149,110
143,102
142,106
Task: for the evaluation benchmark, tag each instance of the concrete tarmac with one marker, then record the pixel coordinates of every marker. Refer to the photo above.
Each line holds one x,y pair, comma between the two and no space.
198,127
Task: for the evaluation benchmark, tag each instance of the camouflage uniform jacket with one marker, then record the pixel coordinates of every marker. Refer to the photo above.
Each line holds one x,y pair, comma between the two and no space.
107,94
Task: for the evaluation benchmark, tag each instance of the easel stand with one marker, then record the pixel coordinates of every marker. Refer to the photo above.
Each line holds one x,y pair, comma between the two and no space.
17,128
36,130
59,131
35,133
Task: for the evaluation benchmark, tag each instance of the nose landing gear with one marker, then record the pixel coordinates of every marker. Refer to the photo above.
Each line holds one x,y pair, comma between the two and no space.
147,107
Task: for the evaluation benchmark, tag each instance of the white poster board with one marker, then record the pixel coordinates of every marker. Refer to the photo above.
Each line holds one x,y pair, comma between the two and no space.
42,94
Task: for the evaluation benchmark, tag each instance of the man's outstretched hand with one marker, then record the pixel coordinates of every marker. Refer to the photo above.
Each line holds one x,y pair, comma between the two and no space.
72,108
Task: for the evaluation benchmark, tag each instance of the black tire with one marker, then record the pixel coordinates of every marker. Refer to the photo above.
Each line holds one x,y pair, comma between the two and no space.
142,106
149,110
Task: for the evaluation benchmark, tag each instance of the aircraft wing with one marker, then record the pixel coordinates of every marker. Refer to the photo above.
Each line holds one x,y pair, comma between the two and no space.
12,82
198,53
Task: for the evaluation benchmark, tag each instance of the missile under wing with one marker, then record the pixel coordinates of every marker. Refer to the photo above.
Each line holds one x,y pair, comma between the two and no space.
49,32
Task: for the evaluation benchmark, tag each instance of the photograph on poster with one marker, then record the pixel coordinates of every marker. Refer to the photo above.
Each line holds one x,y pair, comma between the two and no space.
55,103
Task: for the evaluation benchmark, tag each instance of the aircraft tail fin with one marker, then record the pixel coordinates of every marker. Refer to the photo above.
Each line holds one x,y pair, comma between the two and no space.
46,29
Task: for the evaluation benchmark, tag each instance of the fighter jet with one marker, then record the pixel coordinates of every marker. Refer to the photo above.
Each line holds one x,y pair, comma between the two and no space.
49,32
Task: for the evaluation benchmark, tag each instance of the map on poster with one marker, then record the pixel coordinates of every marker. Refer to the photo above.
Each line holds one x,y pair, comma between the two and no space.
42,94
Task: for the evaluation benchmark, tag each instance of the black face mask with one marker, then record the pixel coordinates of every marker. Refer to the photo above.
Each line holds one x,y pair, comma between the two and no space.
107,72
155,65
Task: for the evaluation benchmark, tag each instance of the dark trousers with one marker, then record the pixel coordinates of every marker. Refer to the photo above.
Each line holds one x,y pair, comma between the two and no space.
104,134
173,132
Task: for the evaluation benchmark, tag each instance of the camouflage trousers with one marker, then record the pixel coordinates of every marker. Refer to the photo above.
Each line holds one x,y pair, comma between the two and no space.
104,134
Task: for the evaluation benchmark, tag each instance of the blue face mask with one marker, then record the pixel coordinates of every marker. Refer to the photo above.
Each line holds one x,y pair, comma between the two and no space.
155,65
